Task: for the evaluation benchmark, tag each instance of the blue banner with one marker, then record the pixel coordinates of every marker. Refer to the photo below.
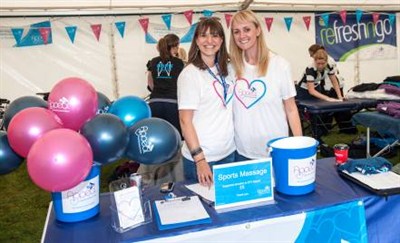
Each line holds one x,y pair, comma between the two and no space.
371,40
33,37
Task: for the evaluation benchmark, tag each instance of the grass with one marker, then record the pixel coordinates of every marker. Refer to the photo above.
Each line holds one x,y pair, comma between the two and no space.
23,205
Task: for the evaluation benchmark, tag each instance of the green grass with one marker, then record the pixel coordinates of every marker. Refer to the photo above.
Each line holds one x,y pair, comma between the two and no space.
23,206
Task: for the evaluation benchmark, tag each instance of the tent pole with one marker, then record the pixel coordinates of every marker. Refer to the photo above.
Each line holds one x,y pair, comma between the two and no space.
114,72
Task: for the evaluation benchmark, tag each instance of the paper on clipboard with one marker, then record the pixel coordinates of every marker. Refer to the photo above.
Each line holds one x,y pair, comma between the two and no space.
181,211
380,181
203,191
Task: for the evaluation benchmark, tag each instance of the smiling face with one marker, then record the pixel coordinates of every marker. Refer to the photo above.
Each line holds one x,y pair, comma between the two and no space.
209,43
245,35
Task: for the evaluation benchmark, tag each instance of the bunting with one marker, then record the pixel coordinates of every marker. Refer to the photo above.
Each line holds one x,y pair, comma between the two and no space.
307,21
208,13
120,27
17,33
268,22
391,19
343,15
359,14
375,17
288,22
144,22
96,28
325,18
167,20
228,18
71,31
44,33
189,16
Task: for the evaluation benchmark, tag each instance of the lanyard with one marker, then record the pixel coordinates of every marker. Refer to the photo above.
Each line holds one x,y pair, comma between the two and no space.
221,77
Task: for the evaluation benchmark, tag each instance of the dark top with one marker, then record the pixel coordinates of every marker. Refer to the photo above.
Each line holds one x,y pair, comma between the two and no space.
165,75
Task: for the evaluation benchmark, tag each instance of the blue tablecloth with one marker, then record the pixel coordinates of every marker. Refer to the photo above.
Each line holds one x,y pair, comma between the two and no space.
382,214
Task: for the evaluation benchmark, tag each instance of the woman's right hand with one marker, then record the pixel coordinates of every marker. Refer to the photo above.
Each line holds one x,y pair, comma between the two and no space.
204,173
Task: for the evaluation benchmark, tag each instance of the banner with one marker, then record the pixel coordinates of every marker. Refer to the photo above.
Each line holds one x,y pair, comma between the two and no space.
157,31
38,34
363,39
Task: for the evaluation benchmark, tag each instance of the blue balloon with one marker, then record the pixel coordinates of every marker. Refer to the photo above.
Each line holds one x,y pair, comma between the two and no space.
103,103
21,103
152,141
130,109
9,160
108,137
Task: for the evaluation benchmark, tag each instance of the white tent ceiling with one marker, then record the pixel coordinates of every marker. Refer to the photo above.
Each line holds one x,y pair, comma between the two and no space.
81,7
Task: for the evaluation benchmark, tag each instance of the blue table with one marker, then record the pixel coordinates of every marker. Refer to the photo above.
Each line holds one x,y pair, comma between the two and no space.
382,214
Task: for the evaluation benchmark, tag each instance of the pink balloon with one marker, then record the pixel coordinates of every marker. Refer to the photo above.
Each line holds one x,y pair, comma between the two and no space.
74,100
29,125
59,160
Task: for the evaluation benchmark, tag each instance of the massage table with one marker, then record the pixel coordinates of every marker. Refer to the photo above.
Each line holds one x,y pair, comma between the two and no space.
383,124
318,107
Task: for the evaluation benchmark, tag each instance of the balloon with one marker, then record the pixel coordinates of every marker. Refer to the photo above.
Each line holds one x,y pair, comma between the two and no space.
130,109
21,103
152,141
108,137
59,160
74,100
29,125
103,103
9,160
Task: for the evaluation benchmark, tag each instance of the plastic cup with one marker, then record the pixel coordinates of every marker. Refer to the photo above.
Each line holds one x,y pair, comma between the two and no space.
341,153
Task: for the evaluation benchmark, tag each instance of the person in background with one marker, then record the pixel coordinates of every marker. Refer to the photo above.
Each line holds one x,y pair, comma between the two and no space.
264,106
328,85
182,55
163,72
312,86
205,103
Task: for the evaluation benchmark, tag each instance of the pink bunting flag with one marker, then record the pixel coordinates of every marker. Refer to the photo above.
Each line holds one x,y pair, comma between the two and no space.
44,33
375,17
228,18
307,20
144,22
268,22
189,16
96,28
343,16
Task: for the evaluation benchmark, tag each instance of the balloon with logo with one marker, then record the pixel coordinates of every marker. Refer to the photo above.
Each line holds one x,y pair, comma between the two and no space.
59,160
152,141
21,103
29,125
130,109
103,103
9,160
74,100
108,137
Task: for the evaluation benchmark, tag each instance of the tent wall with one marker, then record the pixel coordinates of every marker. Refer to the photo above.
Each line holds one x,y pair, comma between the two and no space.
116,66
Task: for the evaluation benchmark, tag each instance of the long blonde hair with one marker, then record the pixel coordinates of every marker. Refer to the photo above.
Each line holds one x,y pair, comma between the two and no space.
236,54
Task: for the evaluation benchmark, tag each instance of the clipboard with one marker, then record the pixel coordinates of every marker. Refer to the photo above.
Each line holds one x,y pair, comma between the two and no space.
358,179
180,212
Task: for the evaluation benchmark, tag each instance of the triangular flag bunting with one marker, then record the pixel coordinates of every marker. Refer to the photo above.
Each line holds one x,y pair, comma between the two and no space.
167,20
17,33
359,14
120,27
96,28
150,39
288,22
144,22
228,18
189,16
307,20
325,18
207,13
268,22
44,33
343,16
391,19
71,31
375,17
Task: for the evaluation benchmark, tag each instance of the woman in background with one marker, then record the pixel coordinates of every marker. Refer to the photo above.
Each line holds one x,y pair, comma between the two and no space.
205,107
264,106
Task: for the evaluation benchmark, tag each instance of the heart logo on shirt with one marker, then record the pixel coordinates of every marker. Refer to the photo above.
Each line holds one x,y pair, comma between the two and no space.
249,93
220,92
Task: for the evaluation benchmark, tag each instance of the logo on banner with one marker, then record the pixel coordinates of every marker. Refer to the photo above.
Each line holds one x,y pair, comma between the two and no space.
367,37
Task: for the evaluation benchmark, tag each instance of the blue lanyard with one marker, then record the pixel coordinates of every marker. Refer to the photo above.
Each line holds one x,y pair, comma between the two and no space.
221,77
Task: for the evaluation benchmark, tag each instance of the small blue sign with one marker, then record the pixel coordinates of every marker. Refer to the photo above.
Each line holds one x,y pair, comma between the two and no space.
242,183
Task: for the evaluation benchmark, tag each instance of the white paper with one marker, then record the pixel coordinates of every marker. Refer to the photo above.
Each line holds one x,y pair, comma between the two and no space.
203,191
176,210
379,181
129,207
